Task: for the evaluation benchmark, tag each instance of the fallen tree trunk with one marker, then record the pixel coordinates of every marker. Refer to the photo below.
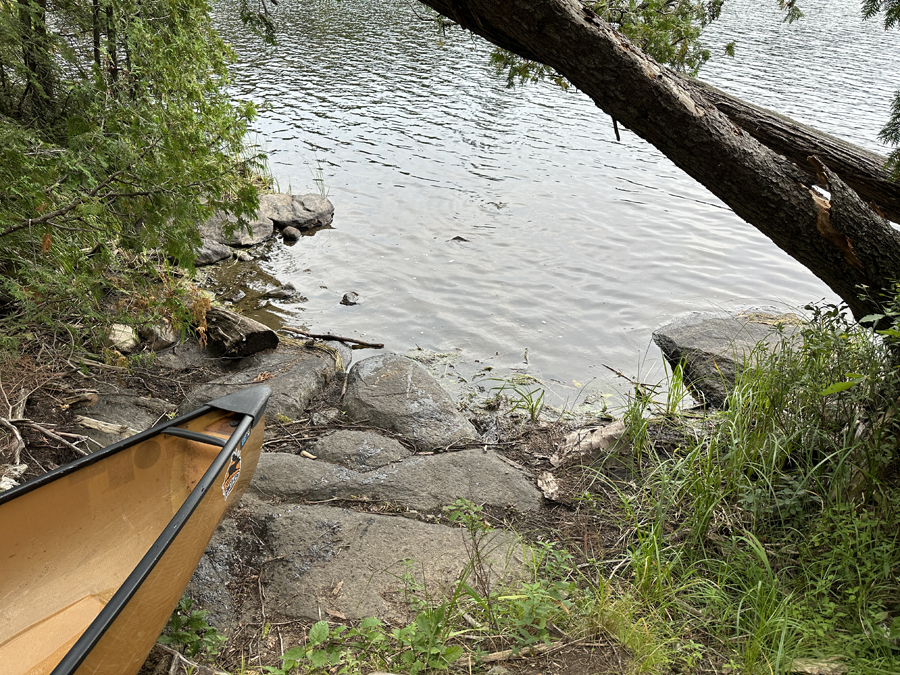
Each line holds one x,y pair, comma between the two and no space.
859,168
849,246
234,335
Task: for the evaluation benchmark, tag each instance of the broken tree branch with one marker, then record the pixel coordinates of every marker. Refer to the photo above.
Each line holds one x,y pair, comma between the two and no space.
336,338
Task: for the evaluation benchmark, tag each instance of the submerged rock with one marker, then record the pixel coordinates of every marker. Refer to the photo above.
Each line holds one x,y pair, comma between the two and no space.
394,392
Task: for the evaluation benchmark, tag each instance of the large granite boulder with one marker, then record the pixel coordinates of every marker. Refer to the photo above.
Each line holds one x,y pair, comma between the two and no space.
210,252
261,229
394,392
299,211
714,350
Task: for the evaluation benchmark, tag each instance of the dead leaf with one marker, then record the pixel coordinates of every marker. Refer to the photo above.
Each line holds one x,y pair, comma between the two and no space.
336,615
337,589
46,242
263,376
308,455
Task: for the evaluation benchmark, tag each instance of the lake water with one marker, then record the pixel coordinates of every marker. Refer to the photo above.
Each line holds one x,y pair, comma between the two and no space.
509,225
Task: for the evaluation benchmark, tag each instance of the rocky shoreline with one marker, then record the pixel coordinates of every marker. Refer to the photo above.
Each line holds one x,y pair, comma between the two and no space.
361,460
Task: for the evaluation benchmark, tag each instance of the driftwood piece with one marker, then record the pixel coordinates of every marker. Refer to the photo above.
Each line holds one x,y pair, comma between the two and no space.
122,430
335,338
231,334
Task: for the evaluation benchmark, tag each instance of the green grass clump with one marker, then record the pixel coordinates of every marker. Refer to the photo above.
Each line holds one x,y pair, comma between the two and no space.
775,535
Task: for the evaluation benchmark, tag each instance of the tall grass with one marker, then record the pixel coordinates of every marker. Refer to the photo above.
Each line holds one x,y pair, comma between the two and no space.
776,534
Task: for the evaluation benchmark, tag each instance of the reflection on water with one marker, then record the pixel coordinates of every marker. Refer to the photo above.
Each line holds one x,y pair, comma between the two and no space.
496,220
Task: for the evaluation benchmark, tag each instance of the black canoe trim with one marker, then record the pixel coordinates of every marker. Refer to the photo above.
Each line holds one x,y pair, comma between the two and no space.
89,639
247,402
196,436
252,401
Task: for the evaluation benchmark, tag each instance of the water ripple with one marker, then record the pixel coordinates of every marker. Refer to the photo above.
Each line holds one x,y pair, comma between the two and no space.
578,245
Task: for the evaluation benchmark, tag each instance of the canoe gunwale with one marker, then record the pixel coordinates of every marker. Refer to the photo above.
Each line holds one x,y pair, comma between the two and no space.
255,412
83,646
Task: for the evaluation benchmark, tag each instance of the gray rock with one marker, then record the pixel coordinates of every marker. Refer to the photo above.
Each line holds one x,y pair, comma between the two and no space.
394,392
350,298
124,411
122,338
297,377
214,229
291,234
418,482
211,252
299,211
244,257
714,350
358,450
281,293
158,336
327,561
221,562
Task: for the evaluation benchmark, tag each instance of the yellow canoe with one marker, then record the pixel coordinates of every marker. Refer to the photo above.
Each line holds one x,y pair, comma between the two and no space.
95,555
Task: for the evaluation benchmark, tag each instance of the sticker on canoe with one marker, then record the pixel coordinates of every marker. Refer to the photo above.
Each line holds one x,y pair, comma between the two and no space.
232,473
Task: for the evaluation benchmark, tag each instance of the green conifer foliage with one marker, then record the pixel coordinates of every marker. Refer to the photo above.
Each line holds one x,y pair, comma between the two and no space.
116,137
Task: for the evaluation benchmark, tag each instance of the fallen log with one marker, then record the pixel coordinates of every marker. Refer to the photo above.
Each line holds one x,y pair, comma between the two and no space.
231,334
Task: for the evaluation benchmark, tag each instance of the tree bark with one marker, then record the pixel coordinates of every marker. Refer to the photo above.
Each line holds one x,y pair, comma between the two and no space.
842,241
861,169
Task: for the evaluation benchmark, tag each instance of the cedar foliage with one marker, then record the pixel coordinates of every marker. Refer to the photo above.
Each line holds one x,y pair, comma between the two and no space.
116,138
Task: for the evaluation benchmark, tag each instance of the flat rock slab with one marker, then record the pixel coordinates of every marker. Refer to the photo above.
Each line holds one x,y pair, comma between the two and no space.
713,350
393,392
295,375
120,414
419,482
358,450
325,562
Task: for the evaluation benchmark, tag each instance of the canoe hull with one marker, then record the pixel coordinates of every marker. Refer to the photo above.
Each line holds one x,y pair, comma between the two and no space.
95,561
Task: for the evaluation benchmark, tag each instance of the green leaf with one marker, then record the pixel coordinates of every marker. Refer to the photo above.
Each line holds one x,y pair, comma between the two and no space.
318,658
841,386
452,653
318,633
